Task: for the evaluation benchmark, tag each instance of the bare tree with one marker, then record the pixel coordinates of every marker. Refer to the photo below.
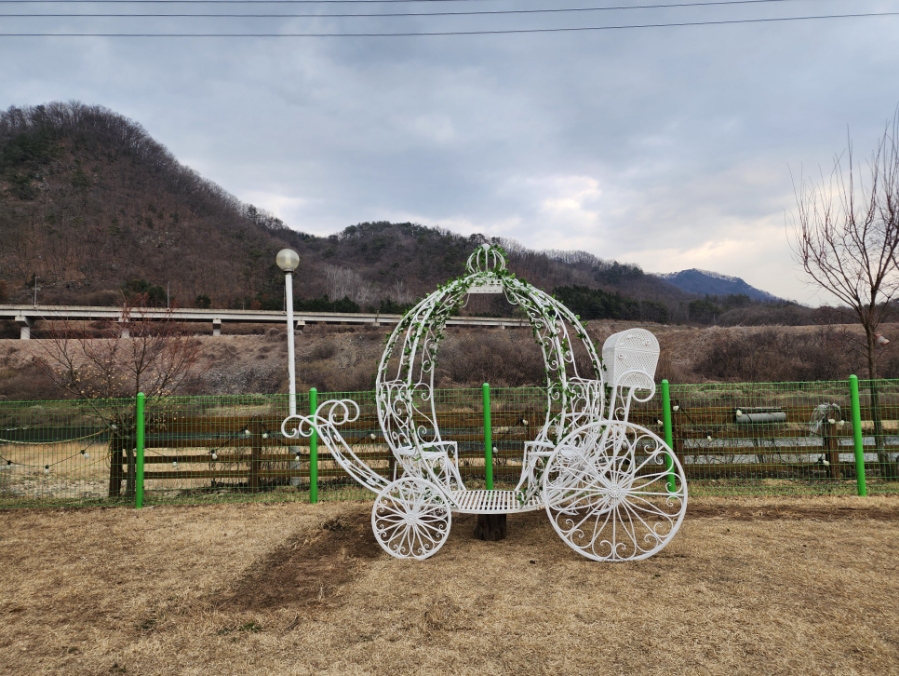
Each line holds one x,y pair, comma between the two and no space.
344,282
846,237
155,358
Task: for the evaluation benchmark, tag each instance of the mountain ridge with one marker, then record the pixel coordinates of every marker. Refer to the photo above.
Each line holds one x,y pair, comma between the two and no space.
93,209
709,283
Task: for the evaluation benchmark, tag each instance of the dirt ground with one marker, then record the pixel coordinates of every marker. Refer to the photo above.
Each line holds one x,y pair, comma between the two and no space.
749,586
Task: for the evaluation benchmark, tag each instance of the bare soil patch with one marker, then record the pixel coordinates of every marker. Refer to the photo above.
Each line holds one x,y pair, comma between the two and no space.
751,585
308,568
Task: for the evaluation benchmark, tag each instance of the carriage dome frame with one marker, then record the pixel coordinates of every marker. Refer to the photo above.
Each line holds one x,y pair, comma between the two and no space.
404,387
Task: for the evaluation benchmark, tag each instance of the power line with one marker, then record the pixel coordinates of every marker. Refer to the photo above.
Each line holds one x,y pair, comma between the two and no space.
552,10
221,2
723,22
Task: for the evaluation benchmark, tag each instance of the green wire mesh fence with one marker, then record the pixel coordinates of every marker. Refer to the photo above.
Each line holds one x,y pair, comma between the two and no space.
879,403
222,447
732,438
364,435
517,414
735,438
62,451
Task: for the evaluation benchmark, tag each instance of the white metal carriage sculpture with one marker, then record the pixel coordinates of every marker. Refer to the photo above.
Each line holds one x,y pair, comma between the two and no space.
614,491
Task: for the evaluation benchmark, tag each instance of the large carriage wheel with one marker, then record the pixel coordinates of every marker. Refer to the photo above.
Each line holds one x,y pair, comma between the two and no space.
411,518
614,491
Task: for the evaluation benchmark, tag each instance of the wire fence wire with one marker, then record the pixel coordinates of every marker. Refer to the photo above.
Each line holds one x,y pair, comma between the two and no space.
221,448
732,438
879,401
60,451
737,438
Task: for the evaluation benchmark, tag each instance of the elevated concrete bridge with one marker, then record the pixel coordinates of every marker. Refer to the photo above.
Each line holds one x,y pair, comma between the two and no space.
26,316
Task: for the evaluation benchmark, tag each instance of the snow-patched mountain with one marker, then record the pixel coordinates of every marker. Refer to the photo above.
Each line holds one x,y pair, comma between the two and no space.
706,283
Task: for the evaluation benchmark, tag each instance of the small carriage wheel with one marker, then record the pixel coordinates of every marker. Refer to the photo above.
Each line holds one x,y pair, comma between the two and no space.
411,518
614,491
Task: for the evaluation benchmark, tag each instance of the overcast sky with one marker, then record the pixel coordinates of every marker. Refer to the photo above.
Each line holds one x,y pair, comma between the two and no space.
671,148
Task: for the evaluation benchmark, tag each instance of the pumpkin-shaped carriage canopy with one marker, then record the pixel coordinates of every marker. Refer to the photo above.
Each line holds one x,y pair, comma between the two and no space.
405,381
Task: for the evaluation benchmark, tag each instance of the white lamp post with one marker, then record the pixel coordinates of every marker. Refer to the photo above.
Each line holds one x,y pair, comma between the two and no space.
288,260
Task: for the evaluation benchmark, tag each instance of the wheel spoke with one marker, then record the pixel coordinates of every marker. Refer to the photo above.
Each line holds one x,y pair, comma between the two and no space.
657,494
627,526
650,508
650,530
612,503
599,528
411,518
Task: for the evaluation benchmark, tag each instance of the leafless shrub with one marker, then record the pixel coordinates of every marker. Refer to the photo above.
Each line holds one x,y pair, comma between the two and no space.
323,350
156,359
773,355
21,379
673,370
502,358
324,376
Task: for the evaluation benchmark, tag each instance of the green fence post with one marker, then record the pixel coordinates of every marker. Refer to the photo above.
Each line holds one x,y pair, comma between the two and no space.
488,439
139,451
313,449
669,434
857,436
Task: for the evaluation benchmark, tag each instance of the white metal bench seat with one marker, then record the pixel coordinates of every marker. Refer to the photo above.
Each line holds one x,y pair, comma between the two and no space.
431,451
493,502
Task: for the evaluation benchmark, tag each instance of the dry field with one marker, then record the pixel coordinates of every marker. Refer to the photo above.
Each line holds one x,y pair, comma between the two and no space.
750,586
342,359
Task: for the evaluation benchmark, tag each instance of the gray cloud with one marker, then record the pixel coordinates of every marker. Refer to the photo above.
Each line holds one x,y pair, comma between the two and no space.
671,148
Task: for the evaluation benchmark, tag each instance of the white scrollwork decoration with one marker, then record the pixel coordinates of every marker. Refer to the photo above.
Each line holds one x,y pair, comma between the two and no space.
411,518
329,416
614,492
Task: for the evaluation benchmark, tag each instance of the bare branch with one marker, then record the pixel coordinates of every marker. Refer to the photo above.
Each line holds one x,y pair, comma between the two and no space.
846,233
157,358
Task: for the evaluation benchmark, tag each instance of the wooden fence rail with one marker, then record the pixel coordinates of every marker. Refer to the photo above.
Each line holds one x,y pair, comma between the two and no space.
710,442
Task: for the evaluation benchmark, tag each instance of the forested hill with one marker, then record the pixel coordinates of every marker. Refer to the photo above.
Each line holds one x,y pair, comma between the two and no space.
95,208
88,202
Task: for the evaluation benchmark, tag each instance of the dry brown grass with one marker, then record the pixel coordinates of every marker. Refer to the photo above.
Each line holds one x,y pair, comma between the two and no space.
344,358
748,586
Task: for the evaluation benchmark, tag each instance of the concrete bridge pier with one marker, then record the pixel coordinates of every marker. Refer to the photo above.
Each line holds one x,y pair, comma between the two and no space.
25,324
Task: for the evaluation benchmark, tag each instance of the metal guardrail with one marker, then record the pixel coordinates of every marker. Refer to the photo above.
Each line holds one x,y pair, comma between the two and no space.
26,315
